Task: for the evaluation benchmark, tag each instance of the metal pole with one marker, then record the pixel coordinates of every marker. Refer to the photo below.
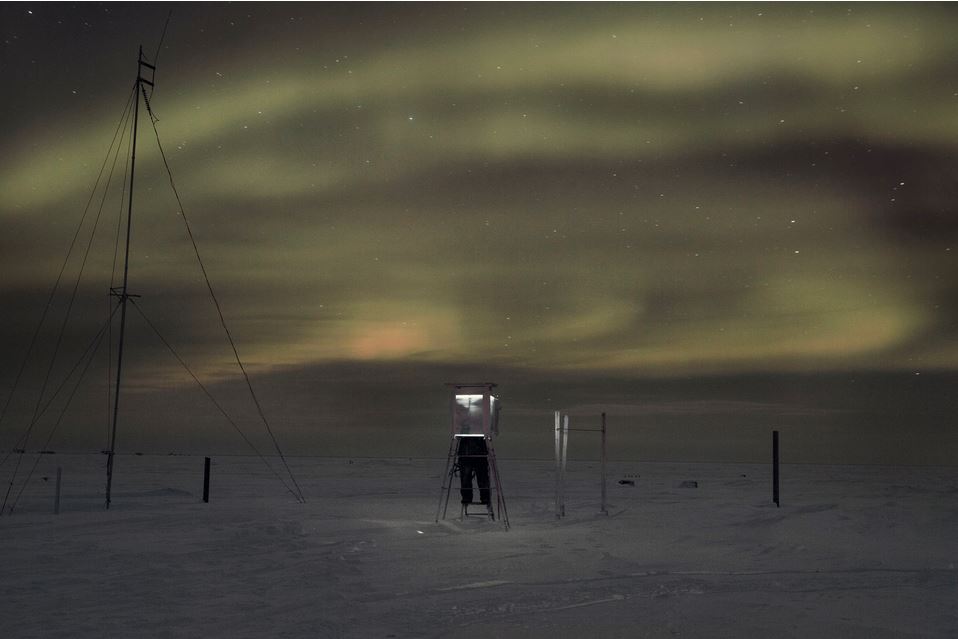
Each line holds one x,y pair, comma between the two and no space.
56,501
603,509
500,498
558,451
565,454
445,482
775,476
206,481
126,276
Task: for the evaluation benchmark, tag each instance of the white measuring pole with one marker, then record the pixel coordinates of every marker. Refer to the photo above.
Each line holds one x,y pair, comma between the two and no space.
558,451
565,455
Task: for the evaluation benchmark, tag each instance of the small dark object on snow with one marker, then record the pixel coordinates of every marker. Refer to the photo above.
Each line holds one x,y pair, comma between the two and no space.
689,483
627,482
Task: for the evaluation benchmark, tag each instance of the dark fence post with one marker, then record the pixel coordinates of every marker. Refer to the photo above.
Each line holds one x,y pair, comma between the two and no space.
56,502
206,481
603,509
775,468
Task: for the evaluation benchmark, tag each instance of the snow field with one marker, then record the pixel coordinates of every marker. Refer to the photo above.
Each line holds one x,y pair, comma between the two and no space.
854,551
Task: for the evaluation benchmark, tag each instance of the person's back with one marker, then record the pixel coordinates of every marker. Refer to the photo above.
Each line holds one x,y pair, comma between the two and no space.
473,460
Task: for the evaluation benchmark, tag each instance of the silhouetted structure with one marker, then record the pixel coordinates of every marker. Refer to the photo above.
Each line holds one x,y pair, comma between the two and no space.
475,419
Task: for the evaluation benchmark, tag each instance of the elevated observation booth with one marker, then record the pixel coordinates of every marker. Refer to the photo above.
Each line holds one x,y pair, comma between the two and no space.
474,412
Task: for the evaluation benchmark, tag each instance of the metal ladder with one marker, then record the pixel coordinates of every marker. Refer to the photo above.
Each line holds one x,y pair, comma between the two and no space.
453,469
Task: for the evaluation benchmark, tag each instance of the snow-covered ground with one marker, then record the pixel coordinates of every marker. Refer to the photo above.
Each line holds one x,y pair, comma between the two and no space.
854,551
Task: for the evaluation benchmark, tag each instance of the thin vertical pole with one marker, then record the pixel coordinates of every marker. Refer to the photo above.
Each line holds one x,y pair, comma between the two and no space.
775,476
56,501
206,481
445,485
603,509
565,455
126,276
497,480
558,444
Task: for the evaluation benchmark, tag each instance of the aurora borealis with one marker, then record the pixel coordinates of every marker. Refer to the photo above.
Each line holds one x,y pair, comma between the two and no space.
592,193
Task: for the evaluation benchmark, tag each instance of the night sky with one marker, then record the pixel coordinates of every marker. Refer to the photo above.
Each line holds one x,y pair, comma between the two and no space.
709,220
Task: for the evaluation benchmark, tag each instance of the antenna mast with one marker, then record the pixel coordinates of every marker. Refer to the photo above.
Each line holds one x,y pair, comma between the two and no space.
122,292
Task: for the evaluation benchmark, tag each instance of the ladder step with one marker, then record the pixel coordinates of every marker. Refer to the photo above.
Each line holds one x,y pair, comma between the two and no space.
447,483
488,512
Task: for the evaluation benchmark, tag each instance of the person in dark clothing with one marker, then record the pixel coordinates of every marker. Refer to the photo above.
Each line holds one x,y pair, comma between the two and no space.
473,460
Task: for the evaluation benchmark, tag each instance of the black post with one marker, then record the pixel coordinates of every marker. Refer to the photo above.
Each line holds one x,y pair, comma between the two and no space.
603,509
775,468
206,481
56,502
